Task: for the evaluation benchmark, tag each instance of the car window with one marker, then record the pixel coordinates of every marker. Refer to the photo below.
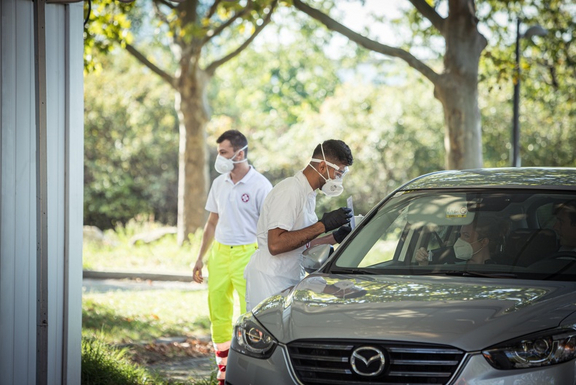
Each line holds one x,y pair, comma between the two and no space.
545,216
385,247
483,231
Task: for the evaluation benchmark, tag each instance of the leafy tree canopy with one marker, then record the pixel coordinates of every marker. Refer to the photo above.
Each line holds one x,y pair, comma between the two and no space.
131,145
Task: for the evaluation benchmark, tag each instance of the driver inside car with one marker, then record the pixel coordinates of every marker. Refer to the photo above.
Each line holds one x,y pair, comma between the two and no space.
565,225
476,244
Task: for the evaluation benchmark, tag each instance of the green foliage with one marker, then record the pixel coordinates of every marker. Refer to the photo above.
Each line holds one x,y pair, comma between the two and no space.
104,365
286,96
395,133
546,137
106,24
131,145
155,25
547,81
548,63
136,318
145,313
117,252
208,381
271,86
278,80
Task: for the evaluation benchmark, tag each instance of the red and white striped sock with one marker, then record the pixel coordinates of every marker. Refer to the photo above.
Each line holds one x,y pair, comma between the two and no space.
221,351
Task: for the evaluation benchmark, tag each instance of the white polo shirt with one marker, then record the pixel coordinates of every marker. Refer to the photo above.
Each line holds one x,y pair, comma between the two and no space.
291,205
238,206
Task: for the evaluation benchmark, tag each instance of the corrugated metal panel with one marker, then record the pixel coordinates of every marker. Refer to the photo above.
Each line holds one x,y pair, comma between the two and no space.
55,103
18,238
18,192
42,211
74,191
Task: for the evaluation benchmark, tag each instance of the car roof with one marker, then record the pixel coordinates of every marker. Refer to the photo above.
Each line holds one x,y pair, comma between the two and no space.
557,178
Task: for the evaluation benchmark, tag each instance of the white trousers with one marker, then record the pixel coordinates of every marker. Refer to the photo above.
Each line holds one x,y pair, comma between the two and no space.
260,286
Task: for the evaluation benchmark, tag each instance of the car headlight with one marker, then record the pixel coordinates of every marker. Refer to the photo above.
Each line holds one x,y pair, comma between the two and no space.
547,348
251,338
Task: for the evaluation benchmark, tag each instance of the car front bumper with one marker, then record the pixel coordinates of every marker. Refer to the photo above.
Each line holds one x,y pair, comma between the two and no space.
474,370
246,370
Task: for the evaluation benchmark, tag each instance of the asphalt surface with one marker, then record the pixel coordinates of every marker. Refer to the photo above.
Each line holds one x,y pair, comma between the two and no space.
90,285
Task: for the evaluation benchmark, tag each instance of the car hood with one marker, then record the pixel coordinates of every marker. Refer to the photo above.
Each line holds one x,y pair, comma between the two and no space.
468,313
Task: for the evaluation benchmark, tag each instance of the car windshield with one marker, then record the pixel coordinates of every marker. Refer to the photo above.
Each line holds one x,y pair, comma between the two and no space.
517,234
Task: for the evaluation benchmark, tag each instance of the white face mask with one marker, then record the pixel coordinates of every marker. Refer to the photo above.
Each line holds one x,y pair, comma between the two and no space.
463,250
224,165
333,187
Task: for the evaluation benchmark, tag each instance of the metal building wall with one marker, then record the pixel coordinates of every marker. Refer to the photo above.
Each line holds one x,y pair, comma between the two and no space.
63,181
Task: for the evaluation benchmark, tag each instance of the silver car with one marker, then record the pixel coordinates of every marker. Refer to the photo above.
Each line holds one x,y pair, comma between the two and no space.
457,277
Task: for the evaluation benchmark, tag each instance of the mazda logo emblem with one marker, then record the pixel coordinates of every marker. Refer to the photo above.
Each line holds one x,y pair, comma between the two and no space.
368,361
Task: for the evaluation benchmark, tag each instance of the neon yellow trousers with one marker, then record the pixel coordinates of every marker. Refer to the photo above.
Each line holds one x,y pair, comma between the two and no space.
225,274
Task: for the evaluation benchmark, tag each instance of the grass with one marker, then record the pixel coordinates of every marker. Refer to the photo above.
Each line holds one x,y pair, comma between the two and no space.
116,252
135,319
103,365
137,316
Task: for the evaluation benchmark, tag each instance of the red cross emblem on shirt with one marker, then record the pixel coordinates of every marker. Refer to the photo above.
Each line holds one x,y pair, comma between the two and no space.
245,198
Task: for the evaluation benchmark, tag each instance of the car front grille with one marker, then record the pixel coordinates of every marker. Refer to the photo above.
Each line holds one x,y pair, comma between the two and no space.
348,362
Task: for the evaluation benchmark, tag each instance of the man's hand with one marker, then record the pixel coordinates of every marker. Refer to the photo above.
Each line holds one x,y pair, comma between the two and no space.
422,256
334,219
197,272
341,233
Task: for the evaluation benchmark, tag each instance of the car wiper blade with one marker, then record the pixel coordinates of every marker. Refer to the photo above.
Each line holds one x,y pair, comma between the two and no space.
355,270
463,273
460,273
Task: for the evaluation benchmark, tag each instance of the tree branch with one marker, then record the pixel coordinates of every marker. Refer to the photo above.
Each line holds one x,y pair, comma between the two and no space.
226,24
212,9
430,13
369,43
159,13
142,59
210,69
164,2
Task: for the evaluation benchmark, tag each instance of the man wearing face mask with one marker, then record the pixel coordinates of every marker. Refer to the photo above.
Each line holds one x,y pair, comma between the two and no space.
476,244
234,202
288,224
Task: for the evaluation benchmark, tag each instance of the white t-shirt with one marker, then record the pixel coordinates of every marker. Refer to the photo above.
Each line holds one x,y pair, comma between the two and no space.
238,206
290,206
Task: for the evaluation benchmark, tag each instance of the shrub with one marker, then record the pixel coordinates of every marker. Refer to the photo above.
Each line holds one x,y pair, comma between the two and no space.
105,365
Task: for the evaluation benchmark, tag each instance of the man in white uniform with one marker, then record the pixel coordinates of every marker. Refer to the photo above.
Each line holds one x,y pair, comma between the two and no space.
288,224
235,201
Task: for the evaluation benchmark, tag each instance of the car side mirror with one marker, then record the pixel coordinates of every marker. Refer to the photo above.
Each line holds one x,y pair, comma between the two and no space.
315,257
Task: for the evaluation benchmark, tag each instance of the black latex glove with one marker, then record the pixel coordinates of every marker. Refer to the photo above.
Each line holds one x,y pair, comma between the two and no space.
334,219
341,233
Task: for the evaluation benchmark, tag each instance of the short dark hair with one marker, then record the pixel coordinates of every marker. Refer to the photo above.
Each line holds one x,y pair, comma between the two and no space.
335,150
569,207
493,229
237,140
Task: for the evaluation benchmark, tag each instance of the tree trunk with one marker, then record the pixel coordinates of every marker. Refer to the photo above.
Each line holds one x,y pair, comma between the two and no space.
463,136
458,88
193,176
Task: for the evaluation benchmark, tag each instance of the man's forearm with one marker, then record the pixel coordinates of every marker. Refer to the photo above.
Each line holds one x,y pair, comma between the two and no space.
327,239
281,241
205,245
208,235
